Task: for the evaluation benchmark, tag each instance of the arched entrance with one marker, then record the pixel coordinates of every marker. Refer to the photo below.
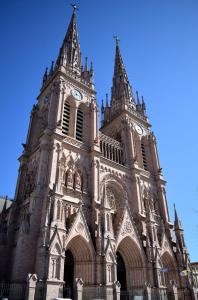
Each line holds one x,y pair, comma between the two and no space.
170,268
68,275
121,272
78,264
132,260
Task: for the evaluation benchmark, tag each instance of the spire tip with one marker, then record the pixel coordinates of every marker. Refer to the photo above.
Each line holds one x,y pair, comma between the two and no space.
75,7
117,40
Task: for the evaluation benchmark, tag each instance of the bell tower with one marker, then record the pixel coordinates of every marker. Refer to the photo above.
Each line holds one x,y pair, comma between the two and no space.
54,176
90,205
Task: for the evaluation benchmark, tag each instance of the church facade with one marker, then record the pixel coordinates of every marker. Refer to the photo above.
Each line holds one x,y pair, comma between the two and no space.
90,216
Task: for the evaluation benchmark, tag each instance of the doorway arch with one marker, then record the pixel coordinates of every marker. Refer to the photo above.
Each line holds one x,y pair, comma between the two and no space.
133,262
121,272
79,262
68,275
171,273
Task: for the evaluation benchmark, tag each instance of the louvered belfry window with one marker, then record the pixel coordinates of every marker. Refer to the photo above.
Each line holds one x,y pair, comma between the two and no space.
79,125
66,117
144,159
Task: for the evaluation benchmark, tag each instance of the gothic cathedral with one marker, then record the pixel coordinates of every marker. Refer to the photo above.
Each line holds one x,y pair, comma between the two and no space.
90,216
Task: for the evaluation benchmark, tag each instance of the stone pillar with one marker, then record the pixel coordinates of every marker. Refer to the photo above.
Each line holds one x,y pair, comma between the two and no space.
79,289
147,291
116,290
194,293
31,286
172,289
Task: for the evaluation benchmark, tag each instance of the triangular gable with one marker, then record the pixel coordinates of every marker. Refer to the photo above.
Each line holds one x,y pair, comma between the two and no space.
79,227
166,247
109,252
55,239
127,228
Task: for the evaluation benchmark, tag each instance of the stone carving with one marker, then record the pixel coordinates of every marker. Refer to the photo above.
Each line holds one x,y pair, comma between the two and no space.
80,226
69,179
77,184
111,197
127,227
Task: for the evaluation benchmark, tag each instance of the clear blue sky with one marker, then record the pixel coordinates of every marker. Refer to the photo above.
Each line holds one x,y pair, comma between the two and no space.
159,44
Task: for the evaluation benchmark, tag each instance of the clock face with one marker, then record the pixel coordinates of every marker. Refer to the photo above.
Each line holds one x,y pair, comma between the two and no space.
138,129
77,95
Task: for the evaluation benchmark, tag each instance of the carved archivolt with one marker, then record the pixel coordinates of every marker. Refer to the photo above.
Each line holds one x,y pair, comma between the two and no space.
113,191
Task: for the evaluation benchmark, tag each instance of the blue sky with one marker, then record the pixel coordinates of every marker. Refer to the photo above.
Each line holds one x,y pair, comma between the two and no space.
159,44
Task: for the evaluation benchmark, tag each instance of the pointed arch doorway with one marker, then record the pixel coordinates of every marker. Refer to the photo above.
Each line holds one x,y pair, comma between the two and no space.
121,272
68,275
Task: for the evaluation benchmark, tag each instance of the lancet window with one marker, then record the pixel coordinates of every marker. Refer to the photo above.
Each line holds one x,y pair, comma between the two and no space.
79,125
144,158
66,117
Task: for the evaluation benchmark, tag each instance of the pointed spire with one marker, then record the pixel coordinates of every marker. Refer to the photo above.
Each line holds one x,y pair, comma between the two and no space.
91,70
86,64
138,100
102,107
107,101
177,223
121,90
51,68
70,54
45,75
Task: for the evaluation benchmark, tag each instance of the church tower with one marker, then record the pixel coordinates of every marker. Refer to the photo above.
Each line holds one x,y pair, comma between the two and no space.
90,216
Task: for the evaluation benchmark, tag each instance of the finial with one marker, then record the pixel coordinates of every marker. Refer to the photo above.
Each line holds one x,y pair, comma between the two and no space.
143,104
45,75
52,67
107,101
102,107
91,69
117,40
138,100
86,64
74,7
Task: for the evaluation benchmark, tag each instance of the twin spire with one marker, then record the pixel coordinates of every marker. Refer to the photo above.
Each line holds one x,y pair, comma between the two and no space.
70,54
70,58
70,61
121,89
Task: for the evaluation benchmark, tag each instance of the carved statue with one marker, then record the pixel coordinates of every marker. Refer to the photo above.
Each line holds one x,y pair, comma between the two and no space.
77,181
69,179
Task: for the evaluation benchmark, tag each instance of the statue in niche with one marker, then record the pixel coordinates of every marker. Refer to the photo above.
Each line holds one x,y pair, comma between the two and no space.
30,180
111,197
25,225
151,204
77,181
69,179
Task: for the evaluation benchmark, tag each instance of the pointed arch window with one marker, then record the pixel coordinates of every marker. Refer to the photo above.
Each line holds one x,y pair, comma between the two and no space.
144,158
66,117
79,125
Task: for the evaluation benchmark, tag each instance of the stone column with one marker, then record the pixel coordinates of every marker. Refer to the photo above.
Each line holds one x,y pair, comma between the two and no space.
172,289
194,293
31,286
79,289
116,290
147,291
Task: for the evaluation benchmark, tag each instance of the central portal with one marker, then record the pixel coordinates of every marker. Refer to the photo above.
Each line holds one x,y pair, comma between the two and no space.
68,275
121,272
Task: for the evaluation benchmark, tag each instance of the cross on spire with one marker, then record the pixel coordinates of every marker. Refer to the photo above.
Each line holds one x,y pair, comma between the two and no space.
117,40
74,7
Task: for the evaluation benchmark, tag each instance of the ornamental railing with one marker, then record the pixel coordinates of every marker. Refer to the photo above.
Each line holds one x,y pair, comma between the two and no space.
111,149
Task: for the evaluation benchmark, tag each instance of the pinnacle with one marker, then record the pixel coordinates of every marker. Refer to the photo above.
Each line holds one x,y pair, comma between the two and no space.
121,90
70,54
